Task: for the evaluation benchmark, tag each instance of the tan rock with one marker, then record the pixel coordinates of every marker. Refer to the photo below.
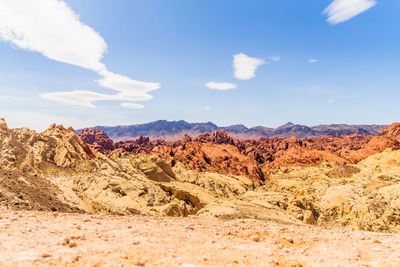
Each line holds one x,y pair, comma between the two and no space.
308,217
154,168
3,124
361,196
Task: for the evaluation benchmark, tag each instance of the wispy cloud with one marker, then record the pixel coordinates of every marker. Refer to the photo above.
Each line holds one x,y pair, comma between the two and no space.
132,105
245,66
51,28
342,98
312,60
207,108
342,10
78,98
220,86
275,58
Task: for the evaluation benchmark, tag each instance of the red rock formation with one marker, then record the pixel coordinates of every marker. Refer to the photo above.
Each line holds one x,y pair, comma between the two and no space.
392,131
141,144
219,152
211,157
186,139
217,137
98,139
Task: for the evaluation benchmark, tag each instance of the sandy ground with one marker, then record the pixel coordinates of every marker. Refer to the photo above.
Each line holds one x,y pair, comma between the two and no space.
46,239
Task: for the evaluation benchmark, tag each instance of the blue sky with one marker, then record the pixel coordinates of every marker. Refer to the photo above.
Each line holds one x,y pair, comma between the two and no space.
176,47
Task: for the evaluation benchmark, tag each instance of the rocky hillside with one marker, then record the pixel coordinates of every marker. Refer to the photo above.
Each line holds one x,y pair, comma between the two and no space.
72,173
219,152
176,130
349,181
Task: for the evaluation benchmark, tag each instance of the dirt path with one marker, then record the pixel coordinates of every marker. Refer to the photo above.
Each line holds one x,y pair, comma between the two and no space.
45,238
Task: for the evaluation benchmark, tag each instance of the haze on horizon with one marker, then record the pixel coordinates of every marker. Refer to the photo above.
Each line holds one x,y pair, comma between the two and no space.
97,62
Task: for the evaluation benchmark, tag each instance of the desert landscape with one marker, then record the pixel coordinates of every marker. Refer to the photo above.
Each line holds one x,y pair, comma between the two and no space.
275,201
199,133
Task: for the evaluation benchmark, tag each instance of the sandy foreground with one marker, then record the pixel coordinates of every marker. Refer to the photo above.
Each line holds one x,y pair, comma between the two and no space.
47,239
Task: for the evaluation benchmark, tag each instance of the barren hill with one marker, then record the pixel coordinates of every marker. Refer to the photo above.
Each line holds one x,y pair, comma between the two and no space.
284,201
219,152
343,181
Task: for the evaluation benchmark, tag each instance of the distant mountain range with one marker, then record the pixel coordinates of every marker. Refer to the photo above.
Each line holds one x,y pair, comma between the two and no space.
175,130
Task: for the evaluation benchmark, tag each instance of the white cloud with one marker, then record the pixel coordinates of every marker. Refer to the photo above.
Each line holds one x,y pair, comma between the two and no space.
245,66
312,60
51,28
207,108
342,97
78,98
275,58
342,10
124,84
111,80
220,86
132,105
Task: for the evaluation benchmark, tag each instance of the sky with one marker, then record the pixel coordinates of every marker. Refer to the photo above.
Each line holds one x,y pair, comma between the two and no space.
259,62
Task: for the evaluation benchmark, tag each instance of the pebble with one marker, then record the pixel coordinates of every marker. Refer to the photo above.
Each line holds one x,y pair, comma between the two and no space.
254,238
72,245
290,240
140,263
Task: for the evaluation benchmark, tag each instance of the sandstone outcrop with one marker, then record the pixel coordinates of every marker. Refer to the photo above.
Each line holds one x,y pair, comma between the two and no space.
3,124
219,152
119,184
363,196
392,131
210,157
98,139
349,181
141,144
24,149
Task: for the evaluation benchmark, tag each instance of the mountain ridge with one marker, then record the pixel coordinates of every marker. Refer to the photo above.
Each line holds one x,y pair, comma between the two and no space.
176,130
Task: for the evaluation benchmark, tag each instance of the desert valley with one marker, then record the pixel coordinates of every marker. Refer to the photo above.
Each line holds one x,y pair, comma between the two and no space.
263,195
199,133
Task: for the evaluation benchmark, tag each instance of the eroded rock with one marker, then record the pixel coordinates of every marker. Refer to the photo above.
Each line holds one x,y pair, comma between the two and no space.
3,124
